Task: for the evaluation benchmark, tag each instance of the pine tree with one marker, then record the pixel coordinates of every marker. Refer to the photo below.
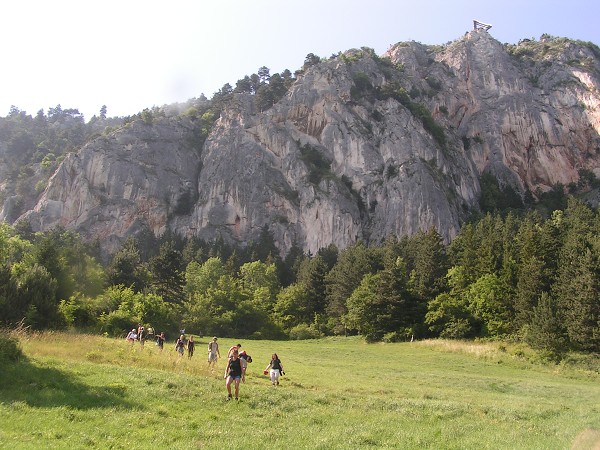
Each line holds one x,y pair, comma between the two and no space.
530,285
430,265
577,288
463,253
545,331
488,239
289,269
581,310
10,311
126,268
381,305
312,275
345,276
36,294
167,275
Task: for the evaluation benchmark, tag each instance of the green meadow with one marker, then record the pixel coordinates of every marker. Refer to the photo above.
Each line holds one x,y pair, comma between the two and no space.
80,391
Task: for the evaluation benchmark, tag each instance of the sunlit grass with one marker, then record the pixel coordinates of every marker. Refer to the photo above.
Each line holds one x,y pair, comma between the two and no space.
81,391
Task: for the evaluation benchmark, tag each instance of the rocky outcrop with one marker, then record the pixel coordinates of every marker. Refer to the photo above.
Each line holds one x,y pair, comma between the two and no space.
133,180
360,147
533,115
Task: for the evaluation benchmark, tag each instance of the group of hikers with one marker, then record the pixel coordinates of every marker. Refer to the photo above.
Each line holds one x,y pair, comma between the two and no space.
141,334
237,360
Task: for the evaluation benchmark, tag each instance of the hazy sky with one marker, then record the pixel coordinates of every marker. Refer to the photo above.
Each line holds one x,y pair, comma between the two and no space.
135,54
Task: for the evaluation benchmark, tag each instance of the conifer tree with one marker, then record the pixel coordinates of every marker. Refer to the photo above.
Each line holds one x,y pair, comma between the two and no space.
167,275
381,304
427,278
544,331
312,275
345,276
579,299
463,252
488,239
289,268
36,295
126,268
530,285
9,309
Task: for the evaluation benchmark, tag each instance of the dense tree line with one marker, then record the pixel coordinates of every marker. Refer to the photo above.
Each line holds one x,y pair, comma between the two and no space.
517,276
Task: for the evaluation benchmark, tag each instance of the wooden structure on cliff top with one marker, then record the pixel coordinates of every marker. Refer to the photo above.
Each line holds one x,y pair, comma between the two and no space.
477,25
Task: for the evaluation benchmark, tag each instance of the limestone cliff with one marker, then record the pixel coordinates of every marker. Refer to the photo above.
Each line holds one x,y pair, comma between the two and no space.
361,146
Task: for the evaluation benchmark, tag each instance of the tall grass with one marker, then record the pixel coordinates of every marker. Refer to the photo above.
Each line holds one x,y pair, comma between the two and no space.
79,391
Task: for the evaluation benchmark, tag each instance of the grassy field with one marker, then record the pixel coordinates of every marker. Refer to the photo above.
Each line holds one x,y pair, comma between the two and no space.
78,391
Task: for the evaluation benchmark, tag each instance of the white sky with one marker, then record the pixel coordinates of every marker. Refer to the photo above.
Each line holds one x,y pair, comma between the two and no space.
135,54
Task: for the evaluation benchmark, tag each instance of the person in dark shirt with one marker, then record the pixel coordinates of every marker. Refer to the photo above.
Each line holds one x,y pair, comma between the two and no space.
190,347
234,372
275,369
180,345
160,340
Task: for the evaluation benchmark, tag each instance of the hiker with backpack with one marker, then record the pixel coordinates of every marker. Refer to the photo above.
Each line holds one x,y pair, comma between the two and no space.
180,345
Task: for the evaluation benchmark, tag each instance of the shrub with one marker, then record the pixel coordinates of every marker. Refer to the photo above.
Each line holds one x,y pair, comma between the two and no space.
117,323
303,331
78,311
589,362
10,349
391,172
318,166
434,83
393,336
362,84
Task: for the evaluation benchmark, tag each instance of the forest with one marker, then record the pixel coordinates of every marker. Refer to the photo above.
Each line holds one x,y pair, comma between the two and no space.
518,276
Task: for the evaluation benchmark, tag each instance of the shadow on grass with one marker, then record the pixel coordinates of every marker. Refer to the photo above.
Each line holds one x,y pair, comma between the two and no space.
50,387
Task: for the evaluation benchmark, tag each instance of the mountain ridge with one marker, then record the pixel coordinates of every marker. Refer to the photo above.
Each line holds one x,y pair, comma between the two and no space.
359,147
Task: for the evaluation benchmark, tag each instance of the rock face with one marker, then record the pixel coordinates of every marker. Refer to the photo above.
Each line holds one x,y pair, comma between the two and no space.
116,186
358,148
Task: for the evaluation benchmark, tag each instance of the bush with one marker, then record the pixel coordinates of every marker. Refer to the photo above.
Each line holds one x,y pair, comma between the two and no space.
78,311
393,336
583,361
10,349
362,84
318,166
303,331
117,323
